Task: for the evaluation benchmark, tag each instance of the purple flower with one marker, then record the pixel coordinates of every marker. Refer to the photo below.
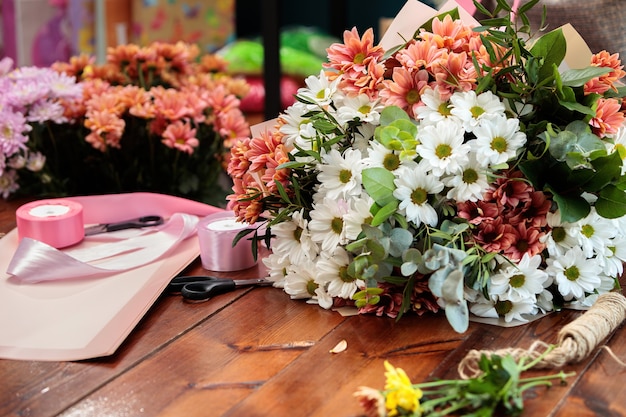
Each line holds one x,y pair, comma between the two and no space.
8,183
45,110
13,127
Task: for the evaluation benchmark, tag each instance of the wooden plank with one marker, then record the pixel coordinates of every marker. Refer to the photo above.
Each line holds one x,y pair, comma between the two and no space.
219,362
320,383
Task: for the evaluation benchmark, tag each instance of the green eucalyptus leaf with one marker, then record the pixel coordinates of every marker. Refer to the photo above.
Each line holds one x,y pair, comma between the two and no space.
400,241
562,144
408,268
456,307
377,249
392,113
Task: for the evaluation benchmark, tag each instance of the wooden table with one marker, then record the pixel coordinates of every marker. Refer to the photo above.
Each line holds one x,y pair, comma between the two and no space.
255,352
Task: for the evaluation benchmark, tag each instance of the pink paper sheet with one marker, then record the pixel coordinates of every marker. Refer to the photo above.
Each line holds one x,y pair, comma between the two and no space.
82,319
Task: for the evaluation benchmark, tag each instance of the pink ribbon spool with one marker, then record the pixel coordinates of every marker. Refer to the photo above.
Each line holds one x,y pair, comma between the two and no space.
216,233
56,222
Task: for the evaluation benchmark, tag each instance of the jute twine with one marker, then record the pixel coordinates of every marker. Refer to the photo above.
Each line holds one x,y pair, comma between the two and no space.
575,342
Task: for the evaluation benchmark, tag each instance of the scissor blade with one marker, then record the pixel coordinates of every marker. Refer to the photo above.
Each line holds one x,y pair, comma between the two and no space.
94,230
253,281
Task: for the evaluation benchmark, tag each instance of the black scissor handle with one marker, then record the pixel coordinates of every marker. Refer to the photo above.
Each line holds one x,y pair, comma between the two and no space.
177,283
200,291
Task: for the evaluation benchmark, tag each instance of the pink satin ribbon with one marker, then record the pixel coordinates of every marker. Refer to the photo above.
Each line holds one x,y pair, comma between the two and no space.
216,245
35,261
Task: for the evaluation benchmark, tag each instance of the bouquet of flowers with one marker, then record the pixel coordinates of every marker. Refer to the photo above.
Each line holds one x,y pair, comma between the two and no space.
465,170
158,118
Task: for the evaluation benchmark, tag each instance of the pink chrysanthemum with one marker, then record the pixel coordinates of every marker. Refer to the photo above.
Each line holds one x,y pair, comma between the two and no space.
450,34
355,53
405,89
180,135
527,240
608,118
420,55
106,130
476,212
494,235
606,82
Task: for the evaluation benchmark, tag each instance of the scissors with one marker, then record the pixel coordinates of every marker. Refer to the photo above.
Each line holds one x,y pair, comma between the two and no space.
137,223
201,288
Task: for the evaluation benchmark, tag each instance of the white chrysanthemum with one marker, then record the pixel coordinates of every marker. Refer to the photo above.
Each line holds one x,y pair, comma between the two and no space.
612,261
468,185
434,109
340,175
321,298
319,90
595,234
277,268
332,270
327,226
506,309
296,127
545,301
561,237
358,107
300,281
382,157
362,137
358,214
472,109
413,190
520,282
293,240
498,140
442,148
574,273
607,284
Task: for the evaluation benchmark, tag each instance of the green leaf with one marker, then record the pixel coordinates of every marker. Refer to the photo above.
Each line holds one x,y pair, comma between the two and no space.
578,77
611,203
551,47
385,212
378,183
581,108
606,169
572,208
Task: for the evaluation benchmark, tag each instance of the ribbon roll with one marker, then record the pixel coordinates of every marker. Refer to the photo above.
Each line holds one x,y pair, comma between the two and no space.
56,222
216,233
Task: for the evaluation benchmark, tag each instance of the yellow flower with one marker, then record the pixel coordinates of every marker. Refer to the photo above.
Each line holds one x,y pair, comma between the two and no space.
400,392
